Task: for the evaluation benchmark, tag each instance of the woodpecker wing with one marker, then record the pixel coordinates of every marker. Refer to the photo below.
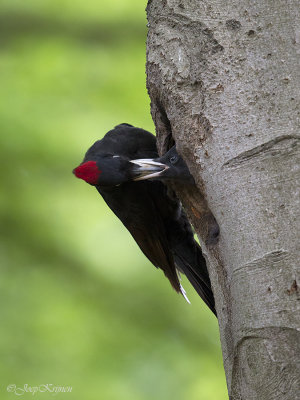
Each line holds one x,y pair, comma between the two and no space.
133,204
186,252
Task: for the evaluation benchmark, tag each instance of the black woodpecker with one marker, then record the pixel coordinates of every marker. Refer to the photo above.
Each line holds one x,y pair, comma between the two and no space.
126,170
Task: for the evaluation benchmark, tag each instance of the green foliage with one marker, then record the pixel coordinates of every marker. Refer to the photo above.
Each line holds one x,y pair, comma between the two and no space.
80,304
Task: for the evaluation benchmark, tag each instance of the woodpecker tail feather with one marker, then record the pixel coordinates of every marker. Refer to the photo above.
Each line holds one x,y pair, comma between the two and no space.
193,265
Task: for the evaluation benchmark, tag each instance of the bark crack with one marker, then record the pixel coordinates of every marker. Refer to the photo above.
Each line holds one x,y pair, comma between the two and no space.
272,257
287,144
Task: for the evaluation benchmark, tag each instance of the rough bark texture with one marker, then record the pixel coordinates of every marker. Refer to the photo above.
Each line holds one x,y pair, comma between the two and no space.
223,78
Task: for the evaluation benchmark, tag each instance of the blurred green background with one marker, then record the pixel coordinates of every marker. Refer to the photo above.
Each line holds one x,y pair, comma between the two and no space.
80,304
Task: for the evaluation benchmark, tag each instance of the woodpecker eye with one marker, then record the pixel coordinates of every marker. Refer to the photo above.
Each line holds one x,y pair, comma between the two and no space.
173,159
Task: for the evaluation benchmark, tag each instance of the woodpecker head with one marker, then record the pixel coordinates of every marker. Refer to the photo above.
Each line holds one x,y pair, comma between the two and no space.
113,170
103,167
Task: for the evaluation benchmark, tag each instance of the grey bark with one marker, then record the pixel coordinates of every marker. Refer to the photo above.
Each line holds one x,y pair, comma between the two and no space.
223,78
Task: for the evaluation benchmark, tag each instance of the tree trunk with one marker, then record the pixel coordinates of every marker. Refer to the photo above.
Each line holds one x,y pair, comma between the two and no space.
223,79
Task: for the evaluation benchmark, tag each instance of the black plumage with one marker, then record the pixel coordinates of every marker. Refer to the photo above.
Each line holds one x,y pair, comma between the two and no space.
125,169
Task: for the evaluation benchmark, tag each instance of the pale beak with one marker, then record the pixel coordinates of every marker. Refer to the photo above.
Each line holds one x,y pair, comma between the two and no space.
148,168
